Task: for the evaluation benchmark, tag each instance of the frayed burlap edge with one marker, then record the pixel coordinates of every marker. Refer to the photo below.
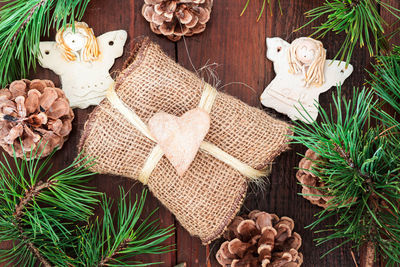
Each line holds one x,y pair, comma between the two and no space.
237,204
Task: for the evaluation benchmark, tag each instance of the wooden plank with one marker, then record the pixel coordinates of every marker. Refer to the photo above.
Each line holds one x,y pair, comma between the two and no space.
128,16
106,16
283,197
238,45
103,16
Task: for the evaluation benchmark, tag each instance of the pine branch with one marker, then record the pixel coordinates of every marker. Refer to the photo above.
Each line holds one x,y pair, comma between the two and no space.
27,20
359,20
371,199
34,250
29,195
369,255
42,213
119,236
124,244
360,163
344,155
22,24
39,211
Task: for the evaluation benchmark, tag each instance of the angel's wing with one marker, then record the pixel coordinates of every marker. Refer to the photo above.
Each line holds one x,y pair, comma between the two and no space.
51,58
111,45
275,47
336,72
276,52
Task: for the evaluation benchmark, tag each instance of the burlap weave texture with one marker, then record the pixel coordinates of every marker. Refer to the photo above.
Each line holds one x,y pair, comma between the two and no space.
210,193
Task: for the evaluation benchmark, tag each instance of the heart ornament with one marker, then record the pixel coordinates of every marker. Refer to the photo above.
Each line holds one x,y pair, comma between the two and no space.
180,137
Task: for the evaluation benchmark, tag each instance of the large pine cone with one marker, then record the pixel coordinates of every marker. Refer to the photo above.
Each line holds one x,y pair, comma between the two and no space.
260,239
310,182
176,18
35,115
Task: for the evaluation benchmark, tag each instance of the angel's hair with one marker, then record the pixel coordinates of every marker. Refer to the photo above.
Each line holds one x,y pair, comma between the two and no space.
90,51
315,72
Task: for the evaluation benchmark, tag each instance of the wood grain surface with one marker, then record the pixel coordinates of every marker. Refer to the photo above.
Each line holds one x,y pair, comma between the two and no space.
237,44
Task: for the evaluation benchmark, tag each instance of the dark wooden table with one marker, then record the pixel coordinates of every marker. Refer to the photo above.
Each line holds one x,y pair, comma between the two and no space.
237,44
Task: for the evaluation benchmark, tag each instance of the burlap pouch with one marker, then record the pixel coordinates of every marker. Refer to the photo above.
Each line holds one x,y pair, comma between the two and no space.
210,193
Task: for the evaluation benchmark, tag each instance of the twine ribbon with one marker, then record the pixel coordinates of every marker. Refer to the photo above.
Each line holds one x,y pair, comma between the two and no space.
206,102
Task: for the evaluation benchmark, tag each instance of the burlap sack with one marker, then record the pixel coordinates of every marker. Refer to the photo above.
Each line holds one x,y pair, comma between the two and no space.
210,194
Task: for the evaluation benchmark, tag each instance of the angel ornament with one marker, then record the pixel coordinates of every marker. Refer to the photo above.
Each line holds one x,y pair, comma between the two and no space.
302,74
83,62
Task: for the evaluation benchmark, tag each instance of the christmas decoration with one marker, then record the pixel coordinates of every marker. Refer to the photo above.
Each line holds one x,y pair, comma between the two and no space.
365,27
35,115
46,219
240,146
359,162
180,138
177,18
83,61
260,239
22,24
312,185
302,74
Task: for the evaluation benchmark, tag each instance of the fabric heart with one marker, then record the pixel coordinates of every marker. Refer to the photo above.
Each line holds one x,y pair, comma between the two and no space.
180,137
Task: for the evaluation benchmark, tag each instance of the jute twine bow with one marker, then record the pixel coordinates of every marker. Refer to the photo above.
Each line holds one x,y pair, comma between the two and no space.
206,103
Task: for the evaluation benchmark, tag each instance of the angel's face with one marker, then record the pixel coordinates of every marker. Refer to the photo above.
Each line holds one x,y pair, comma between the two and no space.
306,52
74,40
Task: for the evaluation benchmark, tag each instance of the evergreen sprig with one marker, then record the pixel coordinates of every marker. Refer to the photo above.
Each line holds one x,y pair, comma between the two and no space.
358,19
360,168
46,218
22,24
39,210
121,235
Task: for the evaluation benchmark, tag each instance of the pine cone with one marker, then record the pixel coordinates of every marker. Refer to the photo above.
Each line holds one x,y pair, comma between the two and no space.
34,115
176,18
260,239
310,182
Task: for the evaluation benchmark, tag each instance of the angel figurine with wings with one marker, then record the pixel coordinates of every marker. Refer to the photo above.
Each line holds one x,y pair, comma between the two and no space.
302,74
83,62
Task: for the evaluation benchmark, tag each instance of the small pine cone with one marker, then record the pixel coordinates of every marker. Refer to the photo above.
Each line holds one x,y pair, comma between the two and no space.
177,18
34,116
260,239
310,182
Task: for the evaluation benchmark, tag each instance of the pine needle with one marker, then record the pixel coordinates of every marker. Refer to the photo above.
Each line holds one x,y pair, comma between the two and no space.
360,21
22,24
264,3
